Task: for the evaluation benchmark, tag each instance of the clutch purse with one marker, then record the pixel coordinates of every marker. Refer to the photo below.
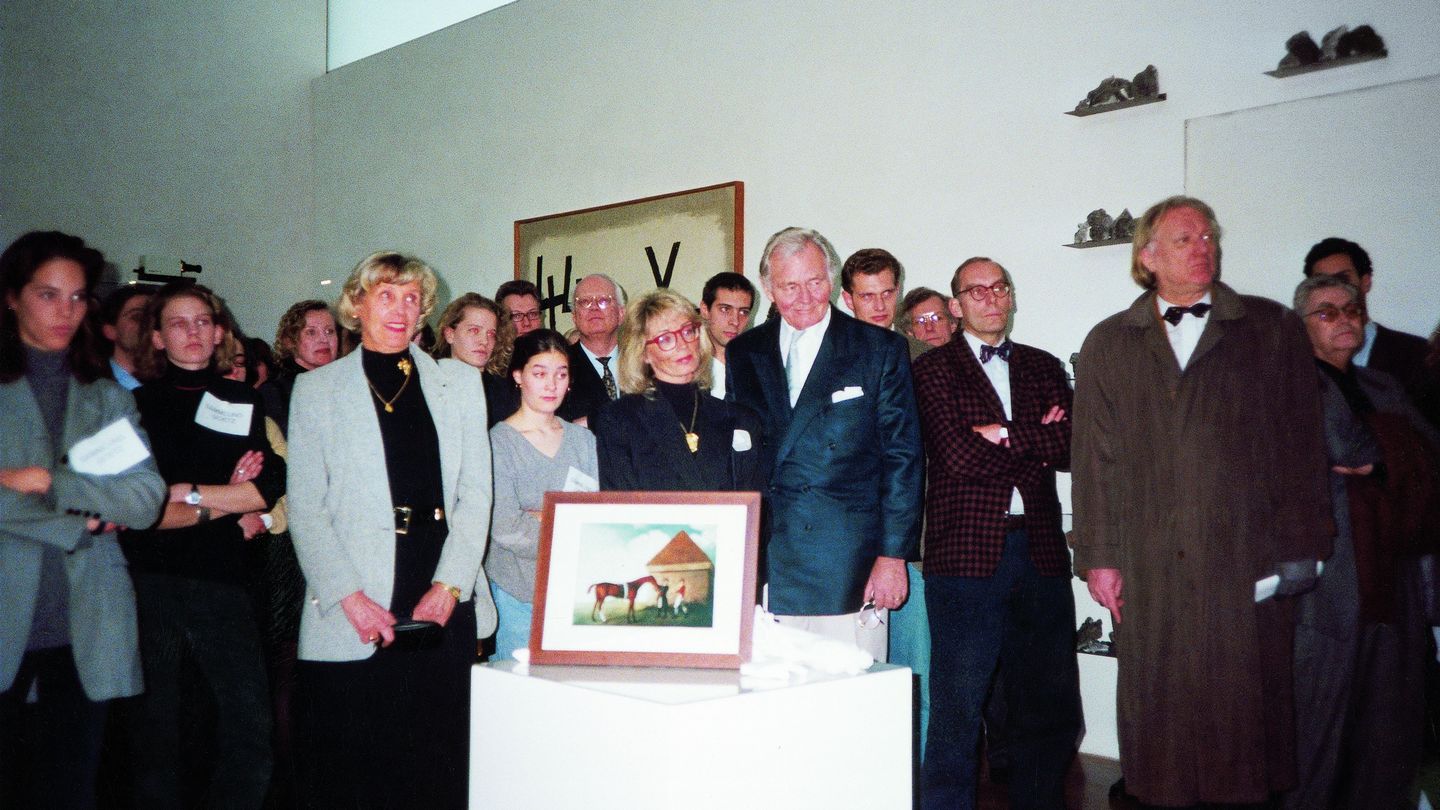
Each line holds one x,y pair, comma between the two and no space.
412,635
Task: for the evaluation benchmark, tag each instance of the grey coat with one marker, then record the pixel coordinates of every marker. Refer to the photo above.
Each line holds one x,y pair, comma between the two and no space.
102,598
339,496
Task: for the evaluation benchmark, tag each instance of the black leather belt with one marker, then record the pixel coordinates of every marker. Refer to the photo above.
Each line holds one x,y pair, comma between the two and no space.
1014,522
407,516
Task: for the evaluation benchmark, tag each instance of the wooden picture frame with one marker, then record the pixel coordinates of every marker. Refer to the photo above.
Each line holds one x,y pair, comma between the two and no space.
646,579
676,240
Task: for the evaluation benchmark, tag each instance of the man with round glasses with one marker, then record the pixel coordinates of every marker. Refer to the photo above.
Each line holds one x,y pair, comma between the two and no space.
521,301
925,315
996,417
597,304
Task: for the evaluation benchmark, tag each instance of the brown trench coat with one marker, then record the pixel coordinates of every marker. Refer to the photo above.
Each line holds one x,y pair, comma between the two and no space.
1194,485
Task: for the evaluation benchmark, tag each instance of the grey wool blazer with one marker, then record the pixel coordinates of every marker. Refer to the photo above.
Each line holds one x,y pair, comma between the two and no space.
339,496
102,598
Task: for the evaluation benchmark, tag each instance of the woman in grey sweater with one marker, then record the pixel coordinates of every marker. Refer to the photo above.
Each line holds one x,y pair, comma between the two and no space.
534,452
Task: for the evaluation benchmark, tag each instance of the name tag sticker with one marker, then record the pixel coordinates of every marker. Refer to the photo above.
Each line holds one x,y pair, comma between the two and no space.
113,449
740,441
577,481
224,417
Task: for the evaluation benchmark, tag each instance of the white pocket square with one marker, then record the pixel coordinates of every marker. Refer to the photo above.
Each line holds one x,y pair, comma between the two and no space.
740,442
848,392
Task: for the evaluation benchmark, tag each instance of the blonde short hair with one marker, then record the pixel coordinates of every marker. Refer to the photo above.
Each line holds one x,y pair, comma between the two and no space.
386,267
635,375
1145,233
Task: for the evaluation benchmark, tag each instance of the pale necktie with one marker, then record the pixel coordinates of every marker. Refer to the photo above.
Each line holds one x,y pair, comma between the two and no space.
609,378
790,363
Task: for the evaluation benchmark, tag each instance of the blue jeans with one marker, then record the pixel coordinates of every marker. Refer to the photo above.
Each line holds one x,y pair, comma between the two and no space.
513,630
1026,622
910,643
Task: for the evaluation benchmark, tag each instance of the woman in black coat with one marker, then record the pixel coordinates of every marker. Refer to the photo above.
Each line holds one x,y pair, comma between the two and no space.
667,432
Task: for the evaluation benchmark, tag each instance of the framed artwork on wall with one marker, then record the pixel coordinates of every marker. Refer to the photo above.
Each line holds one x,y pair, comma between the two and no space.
646,579
673,240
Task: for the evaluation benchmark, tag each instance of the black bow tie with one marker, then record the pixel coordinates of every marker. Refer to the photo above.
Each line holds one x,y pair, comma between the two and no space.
987,351
1174,314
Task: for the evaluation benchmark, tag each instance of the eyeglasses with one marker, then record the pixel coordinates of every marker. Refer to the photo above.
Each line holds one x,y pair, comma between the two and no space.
602,303
666,341
978,292
525,317
869,617
930,318
1330,314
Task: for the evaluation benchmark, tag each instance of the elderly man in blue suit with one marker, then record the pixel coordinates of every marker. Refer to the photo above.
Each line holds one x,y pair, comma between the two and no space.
838,408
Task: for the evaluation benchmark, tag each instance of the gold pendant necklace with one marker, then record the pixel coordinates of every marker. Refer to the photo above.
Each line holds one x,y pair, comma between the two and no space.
691,437
404,366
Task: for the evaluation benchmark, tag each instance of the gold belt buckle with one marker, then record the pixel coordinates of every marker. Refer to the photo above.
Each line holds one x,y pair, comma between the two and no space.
402,519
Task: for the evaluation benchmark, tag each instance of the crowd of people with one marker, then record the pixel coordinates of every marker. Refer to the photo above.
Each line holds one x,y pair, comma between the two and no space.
277,561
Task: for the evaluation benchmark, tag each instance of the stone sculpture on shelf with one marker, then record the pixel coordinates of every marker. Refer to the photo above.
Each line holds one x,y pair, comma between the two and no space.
1082,233
1300,50
1331,41
1116,90
1363,41
1124,225
1101,225
1338,43
1087,638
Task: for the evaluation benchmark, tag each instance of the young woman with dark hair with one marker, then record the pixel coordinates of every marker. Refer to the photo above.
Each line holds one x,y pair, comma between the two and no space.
67,607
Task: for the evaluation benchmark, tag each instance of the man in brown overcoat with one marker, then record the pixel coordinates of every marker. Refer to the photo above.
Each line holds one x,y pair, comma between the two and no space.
1199,469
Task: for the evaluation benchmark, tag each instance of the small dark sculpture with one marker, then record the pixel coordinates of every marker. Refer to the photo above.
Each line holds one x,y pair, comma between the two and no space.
1300,50
1124,225
1331,41
1102,227
1115,90
1087,639
1338,43
1147,82
1363,41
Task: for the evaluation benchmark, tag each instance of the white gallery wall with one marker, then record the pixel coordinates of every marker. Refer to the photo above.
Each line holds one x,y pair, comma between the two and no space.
935,130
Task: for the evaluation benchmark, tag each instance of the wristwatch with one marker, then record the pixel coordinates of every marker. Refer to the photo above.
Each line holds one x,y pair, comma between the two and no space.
193,496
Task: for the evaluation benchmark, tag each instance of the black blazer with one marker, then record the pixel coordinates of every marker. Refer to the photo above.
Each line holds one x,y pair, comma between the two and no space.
587,389
641,446
1399,354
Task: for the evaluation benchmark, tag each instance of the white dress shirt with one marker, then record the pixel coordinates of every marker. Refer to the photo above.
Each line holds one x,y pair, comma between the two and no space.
806,349
717,378
997,370
1184,336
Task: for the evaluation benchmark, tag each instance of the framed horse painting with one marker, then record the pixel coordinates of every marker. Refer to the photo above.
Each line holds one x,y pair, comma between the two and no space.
646,579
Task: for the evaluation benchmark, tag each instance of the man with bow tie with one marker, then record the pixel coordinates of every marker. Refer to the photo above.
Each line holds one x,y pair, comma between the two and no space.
995,415
837,403
1199,491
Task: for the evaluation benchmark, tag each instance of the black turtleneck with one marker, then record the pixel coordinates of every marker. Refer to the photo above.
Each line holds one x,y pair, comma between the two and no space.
187,452
412,465
683,399
1349,385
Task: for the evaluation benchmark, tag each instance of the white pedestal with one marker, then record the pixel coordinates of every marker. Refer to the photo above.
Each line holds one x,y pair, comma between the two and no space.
576,737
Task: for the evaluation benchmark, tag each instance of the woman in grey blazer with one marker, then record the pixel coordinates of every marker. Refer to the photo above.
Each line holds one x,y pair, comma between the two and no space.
389,503
67,606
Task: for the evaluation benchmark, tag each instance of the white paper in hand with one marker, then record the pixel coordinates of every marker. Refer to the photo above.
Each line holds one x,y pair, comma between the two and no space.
578,481
113,449
224,417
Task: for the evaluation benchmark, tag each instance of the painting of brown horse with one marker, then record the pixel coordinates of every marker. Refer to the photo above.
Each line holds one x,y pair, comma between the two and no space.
628,591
